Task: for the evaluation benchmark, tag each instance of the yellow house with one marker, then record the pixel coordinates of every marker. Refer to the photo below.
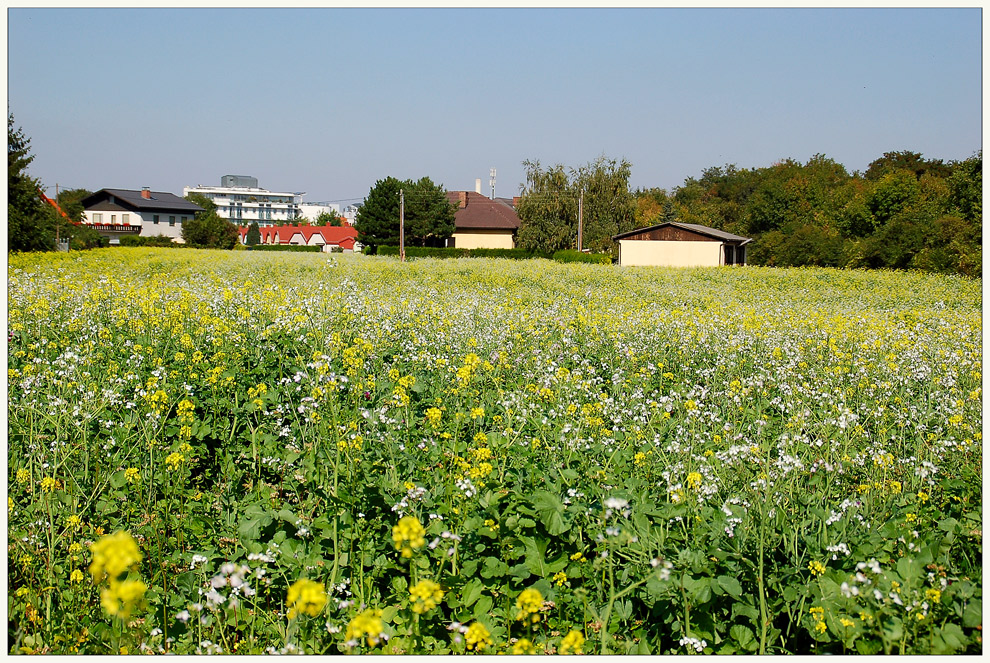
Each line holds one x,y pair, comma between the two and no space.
675,244
482,223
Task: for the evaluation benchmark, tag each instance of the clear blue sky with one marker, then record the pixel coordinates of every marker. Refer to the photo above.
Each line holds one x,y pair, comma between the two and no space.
328,101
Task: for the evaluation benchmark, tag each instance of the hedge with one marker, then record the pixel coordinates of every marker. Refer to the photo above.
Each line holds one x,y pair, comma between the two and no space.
453,252
570,255
144,240
285,247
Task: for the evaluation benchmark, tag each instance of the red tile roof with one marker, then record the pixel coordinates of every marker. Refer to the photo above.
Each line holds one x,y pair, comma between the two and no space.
476,212
342,236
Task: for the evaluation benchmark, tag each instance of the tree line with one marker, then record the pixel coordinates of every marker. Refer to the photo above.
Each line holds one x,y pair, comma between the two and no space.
903,212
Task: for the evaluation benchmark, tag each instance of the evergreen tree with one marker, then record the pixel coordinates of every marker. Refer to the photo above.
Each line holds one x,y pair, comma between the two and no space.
377,221
30,223
429,216
253,235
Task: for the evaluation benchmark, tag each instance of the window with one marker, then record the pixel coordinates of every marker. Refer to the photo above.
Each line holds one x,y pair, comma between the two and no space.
97,218
113,218
125,218
171,220
154,219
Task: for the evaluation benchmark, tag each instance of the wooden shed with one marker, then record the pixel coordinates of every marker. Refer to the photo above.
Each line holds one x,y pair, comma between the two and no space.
675,244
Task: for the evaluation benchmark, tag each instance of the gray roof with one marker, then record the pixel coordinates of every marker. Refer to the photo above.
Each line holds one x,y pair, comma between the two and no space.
159,200
694,227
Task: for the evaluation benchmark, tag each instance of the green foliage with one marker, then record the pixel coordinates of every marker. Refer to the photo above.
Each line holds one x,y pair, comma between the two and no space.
292,248
329,219
570,255
207,230
425,252
906,213
148,240
548,207
253,237
547,210
30,226
199,199
83,237
428,215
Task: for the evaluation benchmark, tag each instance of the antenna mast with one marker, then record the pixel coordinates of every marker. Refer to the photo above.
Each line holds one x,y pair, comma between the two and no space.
492,182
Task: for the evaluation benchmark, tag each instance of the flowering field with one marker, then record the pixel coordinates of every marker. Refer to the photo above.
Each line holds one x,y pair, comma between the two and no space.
258,453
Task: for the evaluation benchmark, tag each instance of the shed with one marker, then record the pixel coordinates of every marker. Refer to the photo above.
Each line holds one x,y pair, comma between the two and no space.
675,244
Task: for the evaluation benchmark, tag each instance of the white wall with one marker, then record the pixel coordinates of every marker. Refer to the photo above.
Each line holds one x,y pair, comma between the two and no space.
669,253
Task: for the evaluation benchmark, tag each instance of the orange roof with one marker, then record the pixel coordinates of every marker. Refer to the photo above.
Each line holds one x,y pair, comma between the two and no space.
342,236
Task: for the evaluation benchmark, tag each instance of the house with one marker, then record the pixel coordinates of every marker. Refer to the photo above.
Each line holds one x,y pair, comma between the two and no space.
240,200
117,212
328,237
481,222
675,244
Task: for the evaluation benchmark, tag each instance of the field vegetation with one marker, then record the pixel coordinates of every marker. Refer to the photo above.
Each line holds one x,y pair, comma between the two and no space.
252,452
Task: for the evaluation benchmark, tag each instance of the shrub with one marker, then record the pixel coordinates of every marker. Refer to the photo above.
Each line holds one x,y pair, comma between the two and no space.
286,247
424,252
579,256
139,240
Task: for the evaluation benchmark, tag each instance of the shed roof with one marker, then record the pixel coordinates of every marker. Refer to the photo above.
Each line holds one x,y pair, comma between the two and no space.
480,212
692,227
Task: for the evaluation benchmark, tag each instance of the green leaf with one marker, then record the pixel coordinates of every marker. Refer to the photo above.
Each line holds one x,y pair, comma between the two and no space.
551,512
744,637
494,568
972,615
471,592
482,607
730,585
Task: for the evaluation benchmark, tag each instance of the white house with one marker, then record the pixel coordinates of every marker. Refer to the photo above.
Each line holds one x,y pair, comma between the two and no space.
118,212
675,244
240,200
312,211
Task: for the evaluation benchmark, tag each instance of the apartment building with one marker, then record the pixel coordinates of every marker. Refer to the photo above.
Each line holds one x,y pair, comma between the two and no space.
240,200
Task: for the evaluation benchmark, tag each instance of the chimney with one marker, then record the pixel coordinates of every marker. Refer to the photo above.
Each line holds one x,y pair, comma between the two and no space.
477,186
515,200
146,193
461,199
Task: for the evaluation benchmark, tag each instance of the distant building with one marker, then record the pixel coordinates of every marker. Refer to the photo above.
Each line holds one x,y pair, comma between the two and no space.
342,238
240,200
481,222
117,212
675,244
311,211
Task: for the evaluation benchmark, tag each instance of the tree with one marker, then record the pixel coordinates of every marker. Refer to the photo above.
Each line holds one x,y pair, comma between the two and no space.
253,235
199,199
207,230
547,210
330,218
377,221
30,227
429,215
609,207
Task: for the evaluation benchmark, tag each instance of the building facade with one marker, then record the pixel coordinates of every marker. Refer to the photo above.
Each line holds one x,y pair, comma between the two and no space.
115,213
481,222
240,200
674,244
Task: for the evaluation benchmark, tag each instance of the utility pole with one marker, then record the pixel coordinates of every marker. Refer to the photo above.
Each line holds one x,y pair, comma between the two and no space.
402,226
58,243
580,219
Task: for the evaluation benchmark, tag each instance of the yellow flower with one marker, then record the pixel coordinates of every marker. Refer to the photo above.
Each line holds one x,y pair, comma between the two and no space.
693,480
23,475
922,496
639,458
120,599
367,625
560,578
307,597
477,412
528,604
113,555
73,521
895,487
816,568
934,595
523,647
433,415
132,474
572,643
48,484
76,576
407,535
820,627
174,460
477,637
425,595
